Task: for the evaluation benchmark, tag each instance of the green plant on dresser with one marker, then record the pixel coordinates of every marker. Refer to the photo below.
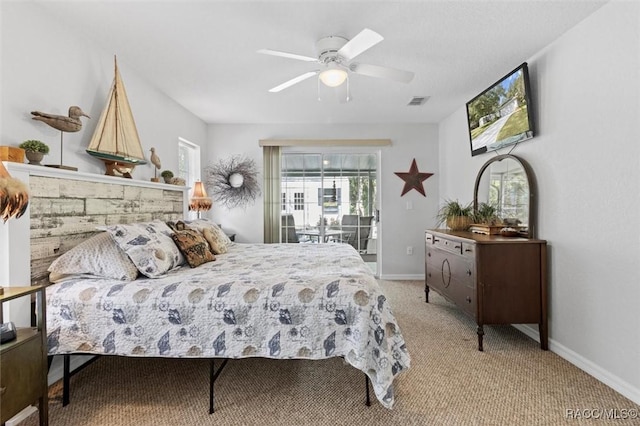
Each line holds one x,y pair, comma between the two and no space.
457,216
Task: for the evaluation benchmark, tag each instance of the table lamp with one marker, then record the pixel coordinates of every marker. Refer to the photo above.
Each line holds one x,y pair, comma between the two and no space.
199,200
14,199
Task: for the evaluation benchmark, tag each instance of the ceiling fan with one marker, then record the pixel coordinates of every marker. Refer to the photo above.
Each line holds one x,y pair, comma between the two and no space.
335,54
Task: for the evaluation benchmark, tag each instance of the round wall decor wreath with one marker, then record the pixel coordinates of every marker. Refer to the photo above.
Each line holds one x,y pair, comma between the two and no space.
233,181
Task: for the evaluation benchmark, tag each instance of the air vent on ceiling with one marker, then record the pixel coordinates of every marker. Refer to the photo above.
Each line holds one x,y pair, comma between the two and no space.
418,100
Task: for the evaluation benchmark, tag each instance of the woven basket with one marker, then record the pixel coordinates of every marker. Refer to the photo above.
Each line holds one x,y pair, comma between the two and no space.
458,223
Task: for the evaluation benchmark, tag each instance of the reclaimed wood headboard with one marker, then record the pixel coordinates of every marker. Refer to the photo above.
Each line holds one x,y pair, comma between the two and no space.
64,209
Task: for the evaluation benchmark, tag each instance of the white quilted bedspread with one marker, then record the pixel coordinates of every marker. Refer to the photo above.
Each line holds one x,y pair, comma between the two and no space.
305,301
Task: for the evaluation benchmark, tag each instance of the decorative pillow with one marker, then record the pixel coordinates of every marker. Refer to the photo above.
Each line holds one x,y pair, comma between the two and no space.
213,238
193,246
99,256
217,239
149,245
176,226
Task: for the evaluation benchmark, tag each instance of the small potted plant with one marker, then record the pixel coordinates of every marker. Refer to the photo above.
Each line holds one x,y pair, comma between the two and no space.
457,217
34,150
167,175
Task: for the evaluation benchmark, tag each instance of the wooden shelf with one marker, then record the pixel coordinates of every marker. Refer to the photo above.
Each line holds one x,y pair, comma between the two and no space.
10,293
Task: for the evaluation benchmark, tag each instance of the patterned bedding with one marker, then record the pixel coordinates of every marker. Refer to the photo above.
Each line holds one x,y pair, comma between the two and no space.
308,301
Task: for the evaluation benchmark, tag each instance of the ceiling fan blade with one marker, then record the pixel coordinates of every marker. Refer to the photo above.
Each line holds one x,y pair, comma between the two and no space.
287,55
382,72
364,40
293,81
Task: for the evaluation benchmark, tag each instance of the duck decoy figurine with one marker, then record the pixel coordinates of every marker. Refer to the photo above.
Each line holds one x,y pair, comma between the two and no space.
71,123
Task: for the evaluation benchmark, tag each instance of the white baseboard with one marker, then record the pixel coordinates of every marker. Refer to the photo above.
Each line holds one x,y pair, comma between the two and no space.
614,382
18,418
402,277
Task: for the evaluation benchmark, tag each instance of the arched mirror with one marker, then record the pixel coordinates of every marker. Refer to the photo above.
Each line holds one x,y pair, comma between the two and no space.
504,192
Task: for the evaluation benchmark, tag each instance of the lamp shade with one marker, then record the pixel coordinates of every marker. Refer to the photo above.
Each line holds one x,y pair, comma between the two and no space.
333,76
199,200
14,196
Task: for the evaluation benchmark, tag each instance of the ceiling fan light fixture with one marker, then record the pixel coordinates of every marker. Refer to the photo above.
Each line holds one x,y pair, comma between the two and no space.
333,76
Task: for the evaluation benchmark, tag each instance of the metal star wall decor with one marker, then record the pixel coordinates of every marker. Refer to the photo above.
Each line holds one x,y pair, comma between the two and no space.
413,179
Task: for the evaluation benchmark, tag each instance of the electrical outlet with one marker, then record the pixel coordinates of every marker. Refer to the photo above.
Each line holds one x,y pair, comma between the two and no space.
409,250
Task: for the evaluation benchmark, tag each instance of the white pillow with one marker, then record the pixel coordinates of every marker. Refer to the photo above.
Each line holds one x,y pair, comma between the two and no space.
149,245
99,256
215,236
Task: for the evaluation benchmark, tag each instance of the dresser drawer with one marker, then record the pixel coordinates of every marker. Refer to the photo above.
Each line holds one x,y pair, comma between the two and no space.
464,248
21,373
464,297
442,264
446,244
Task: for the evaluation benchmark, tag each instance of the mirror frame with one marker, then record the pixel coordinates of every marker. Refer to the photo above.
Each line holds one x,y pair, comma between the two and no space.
532,189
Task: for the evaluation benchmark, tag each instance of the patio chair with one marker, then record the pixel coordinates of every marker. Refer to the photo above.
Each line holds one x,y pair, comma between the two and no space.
356,231
288,229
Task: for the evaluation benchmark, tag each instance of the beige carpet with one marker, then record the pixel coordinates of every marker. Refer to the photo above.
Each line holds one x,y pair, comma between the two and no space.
513,382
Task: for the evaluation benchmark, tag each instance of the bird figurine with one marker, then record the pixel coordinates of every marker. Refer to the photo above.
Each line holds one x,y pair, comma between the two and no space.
71,123
155,160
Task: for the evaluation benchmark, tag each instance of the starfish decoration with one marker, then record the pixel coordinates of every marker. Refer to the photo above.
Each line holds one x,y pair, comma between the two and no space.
413,179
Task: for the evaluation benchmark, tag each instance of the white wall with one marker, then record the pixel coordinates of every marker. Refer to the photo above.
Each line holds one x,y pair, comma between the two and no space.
399,227
49,67
586,159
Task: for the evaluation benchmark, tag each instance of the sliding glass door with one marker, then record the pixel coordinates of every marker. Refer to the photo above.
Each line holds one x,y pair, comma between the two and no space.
330,198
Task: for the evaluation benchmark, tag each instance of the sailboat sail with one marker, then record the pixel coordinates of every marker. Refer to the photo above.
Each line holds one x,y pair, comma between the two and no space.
115,140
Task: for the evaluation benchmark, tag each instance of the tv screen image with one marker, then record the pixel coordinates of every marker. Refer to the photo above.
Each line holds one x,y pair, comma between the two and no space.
501,115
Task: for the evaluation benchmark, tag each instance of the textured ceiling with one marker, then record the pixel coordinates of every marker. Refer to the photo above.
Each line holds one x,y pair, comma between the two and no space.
203,54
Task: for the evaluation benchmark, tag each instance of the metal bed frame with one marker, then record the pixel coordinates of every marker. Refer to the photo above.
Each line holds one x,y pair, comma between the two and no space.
213,376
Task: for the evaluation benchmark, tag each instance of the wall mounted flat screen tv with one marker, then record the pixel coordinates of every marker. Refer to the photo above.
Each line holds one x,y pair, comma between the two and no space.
502,114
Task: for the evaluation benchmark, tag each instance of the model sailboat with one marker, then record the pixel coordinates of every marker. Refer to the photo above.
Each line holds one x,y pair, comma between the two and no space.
115,140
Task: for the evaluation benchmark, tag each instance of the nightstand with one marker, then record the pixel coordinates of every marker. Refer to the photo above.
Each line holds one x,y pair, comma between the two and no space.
232,237
23,361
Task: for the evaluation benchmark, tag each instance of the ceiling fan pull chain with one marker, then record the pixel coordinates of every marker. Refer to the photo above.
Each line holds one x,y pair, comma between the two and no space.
348,89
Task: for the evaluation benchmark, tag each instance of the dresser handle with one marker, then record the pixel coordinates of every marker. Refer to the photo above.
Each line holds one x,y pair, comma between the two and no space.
435,240
457,247
467,250
469,272
468,299
429,254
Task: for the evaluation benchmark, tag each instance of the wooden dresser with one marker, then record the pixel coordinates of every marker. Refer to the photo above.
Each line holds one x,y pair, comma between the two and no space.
493,279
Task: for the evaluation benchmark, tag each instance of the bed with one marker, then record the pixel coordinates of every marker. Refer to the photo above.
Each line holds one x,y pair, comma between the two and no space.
306,301
284,301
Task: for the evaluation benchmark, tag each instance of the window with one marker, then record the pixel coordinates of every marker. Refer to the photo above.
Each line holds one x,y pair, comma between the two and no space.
298,200
284,202
188,161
